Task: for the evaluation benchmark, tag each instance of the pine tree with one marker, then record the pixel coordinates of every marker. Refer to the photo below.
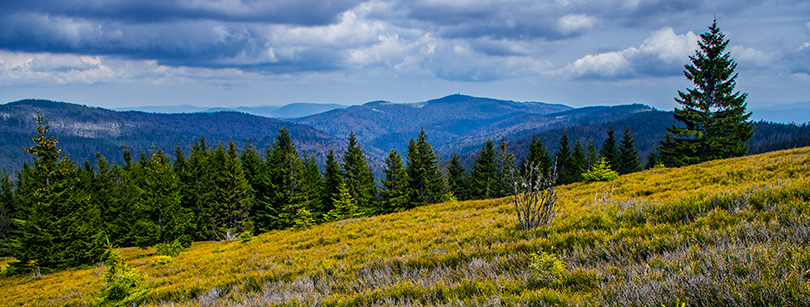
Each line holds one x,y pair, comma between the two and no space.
457,178
234,197
6,214
345,205
311,187
358,176
592,153
610,150
579,160
425,180
332,178
653,160
484,181
506,165
280,203
200,189
629,160
161,218
538,155
715,121
600,172
62,226
394,192
563,160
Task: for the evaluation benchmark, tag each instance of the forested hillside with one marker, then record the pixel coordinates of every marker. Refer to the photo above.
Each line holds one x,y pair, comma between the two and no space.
727,232
82,131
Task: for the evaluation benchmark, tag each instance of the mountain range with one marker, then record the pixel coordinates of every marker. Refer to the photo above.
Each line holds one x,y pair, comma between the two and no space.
293,110
455,123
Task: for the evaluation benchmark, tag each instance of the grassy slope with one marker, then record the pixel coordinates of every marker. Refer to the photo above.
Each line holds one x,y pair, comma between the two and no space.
731,232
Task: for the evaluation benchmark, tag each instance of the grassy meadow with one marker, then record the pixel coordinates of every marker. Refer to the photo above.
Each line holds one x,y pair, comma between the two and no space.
729,233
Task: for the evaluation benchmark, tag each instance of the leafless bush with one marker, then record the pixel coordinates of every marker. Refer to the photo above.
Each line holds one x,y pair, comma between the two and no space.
535,196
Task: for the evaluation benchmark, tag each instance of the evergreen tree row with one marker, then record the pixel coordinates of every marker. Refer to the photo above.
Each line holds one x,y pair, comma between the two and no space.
57,213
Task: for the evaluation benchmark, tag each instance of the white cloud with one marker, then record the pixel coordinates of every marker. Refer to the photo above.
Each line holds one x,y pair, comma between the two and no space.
750,56
661,54
574,24
670,47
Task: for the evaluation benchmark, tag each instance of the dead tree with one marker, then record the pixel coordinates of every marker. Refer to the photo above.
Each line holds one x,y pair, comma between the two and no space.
535,196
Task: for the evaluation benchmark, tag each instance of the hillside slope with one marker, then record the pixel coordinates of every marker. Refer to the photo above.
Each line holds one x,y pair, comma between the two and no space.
731,232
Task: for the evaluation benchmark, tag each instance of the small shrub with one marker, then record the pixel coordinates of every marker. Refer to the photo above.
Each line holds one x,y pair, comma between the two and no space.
122,285
547,267
600,172
303,219
169,249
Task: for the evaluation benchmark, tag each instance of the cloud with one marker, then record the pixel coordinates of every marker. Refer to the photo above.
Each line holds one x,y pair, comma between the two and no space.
458,61
662,54
800,60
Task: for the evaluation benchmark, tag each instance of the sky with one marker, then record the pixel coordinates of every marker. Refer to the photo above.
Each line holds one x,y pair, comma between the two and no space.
225,53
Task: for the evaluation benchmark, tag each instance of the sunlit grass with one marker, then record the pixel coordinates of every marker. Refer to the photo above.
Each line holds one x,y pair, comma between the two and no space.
729,232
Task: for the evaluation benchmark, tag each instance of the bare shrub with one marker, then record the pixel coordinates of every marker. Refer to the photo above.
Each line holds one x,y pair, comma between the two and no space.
535,196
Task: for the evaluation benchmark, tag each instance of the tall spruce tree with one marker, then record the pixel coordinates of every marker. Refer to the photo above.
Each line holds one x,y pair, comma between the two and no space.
61,228
200,189
629,161
394,192
283,181
358,176
426,183
234,197
610,150
332,177
579,161
506,165
160,215
6,215
538,155
715,121
564,163
457,178
592,153
484,181
311,194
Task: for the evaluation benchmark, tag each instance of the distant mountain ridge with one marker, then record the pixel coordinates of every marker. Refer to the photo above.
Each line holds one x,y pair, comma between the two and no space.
293,110
83,131
455,123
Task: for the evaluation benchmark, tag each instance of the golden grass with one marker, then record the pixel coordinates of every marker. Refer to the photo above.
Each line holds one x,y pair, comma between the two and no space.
464,252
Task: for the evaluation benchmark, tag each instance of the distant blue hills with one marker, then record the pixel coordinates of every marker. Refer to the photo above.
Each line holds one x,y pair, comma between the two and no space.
293,110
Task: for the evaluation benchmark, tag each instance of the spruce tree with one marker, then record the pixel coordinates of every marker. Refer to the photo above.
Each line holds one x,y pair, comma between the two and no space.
279,204
563,159
457,178
332,177
425,178
161,217
62,227
6,214
715,123
234,197
579,161
394,193
345,205
592,153
538,155
358,177
252,165
484,181
610,150
630,161
200,189
311,195
506,165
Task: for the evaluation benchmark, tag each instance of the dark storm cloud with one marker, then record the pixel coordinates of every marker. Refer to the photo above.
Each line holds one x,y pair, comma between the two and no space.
176,33
514,20
300,12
